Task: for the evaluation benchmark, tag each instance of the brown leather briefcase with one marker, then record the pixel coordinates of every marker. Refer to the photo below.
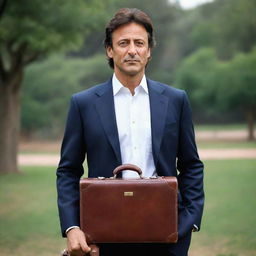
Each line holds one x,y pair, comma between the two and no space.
114,210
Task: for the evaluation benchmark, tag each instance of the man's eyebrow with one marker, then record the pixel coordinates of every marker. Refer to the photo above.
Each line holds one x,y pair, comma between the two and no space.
128,39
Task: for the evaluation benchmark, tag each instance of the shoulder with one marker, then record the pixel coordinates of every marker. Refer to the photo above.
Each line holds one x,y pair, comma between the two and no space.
93,92
166,89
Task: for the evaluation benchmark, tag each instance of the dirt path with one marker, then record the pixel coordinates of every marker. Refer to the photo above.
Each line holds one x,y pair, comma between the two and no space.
205,154
43,153
229,135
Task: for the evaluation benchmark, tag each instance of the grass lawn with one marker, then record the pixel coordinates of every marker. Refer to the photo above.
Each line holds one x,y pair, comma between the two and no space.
229,221
226,144
29,223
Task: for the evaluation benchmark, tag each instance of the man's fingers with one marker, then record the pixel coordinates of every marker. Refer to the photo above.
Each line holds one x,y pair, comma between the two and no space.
75,250
77,245
76,253
84,246
89,252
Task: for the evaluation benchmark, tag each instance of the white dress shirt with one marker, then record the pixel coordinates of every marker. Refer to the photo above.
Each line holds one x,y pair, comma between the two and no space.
134,127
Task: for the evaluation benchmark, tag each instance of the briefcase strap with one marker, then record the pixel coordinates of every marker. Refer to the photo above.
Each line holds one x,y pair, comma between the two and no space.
124,167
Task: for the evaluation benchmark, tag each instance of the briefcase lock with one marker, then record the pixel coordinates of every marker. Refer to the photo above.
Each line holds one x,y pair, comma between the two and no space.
128,193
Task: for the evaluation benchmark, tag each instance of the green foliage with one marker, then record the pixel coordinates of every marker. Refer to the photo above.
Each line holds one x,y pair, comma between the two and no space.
216,85
45,98
47,26
197,75
238,79
48,86
229,26
190,40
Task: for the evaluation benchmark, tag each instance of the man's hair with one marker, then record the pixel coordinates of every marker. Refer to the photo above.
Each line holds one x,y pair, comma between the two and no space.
126,16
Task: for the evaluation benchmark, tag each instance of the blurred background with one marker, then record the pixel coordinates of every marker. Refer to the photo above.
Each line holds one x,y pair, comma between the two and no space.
52,49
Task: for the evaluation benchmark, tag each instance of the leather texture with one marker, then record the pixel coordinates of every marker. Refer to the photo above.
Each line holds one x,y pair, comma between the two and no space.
124,167
129,210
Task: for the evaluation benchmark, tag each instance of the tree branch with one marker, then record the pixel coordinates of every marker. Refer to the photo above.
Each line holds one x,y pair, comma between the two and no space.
32,57
17,57
2,69
14,73
9,46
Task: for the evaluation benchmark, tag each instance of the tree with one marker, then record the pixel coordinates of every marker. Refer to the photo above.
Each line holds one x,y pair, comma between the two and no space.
45,98
197,75
228,26
237,90
30,30
215,85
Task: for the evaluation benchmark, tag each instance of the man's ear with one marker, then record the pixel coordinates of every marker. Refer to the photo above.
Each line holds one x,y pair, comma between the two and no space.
109,52
149,53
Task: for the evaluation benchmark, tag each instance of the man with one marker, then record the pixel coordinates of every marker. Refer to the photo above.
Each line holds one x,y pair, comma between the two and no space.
130,119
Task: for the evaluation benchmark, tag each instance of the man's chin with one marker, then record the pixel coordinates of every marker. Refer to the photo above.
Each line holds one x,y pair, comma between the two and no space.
132,71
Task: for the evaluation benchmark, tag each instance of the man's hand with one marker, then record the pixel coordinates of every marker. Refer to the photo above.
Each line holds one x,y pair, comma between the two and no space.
76,242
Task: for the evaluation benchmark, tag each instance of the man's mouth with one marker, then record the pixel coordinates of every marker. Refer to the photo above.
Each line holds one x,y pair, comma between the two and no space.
131,60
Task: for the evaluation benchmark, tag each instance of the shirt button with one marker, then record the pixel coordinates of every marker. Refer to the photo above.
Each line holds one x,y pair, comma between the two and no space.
133,122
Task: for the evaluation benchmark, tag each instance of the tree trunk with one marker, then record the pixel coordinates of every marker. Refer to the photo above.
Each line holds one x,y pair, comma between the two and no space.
250,123
9,124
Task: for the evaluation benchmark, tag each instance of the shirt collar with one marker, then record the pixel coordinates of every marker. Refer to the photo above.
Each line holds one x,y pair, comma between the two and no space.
117,85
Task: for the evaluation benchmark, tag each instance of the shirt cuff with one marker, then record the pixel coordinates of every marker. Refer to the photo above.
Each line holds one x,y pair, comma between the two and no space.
195,228
68,229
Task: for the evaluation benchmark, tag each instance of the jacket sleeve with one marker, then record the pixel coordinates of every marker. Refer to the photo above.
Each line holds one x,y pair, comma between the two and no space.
70,168
190,178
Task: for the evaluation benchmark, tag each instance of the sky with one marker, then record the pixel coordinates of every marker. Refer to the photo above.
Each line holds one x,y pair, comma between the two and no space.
186,4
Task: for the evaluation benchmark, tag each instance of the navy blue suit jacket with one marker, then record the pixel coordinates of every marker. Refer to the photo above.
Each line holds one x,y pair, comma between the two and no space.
91,131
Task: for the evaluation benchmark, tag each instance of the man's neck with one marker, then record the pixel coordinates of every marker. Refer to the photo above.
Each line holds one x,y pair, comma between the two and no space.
131,82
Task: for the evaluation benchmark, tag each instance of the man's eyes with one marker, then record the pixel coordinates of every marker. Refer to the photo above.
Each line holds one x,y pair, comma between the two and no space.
139,43
125,43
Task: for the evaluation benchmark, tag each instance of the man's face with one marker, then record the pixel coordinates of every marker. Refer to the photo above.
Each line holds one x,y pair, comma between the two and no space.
130,50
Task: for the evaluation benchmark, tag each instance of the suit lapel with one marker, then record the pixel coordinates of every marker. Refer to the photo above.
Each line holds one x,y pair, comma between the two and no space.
106,110
158,110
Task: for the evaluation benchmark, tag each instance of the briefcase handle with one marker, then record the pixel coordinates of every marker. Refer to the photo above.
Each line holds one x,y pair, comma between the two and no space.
124,167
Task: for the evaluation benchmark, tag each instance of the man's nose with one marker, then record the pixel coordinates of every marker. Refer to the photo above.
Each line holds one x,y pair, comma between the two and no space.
132,49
